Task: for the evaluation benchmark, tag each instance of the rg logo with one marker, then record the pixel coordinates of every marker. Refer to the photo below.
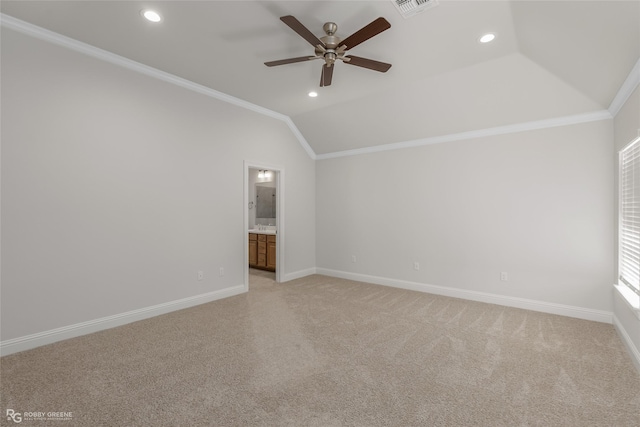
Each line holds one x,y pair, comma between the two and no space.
14,416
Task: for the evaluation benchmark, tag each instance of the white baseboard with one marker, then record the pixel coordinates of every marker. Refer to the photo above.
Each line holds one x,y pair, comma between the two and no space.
527,304
47,337
626,339
298,274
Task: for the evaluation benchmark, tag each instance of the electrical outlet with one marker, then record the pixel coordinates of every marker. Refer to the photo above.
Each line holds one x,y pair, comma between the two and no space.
353,258
221,271
504,276
200,275
416,265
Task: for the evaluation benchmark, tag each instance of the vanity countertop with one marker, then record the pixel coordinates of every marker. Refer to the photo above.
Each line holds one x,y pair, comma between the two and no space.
256,231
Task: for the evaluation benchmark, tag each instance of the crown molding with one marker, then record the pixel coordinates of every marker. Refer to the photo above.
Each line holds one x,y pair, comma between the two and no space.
630,84
500,130
95,52
632,81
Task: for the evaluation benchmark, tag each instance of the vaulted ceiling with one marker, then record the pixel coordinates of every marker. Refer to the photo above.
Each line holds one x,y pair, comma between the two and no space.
550,59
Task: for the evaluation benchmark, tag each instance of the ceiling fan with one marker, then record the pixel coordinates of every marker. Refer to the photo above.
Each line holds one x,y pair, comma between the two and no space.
332,48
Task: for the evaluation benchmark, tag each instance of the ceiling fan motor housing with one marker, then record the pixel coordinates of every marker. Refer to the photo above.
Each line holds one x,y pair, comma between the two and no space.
331,42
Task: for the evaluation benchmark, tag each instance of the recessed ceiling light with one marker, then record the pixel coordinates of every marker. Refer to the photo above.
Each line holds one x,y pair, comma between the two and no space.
313,94
151,15
487,38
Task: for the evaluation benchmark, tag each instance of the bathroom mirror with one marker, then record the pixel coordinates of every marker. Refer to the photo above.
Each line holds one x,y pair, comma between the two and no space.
265,201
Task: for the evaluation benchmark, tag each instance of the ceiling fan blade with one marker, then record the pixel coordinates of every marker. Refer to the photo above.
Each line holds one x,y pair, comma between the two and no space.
326,76
289,61
367,63
365,33
297,26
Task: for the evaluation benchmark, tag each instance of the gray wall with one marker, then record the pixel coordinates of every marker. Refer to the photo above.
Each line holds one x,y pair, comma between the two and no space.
117,188
535,204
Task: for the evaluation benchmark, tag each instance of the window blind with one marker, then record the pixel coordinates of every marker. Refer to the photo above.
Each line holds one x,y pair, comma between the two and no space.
629,253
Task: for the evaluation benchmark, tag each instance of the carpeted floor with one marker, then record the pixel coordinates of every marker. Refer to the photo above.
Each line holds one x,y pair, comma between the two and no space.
320,351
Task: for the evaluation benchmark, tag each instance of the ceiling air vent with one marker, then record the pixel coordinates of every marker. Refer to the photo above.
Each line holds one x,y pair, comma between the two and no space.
408,8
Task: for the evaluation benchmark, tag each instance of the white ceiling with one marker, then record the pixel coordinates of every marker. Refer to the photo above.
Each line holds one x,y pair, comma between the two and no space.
550,59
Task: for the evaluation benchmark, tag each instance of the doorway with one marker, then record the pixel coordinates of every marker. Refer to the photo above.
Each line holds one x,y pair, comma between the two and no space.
264,213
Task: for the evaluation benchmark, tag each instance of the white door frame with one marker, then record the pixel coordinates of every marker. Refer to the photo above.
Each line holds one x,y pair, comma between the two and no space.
279,180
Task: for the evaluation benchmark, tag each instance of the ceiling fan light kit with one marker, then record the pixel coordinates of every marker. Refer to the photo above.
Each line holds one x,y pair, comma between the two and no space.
332,48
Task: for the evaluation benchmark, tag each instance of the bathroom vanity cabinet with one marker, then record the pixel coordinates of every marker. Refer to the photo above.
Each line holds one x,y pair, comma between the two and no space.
262,251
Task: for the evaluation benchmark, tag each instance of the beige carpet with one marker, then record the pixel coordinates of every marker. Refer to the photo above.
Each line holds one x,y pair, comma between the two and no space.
320,351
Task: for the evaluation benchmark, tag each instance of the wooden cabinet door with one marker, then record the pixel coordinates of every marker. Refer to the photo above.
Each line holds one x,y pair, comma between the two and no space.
262,253
271,255
253,252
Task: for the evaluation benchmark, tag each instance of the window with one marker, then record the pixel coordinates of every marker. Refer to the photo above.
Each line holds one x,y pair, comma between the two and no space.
629,223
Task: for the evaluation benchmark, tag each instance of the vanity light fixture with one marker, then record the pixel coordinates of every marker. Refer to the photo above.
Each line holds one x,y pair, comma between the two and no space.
151,15
487,38
261,174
